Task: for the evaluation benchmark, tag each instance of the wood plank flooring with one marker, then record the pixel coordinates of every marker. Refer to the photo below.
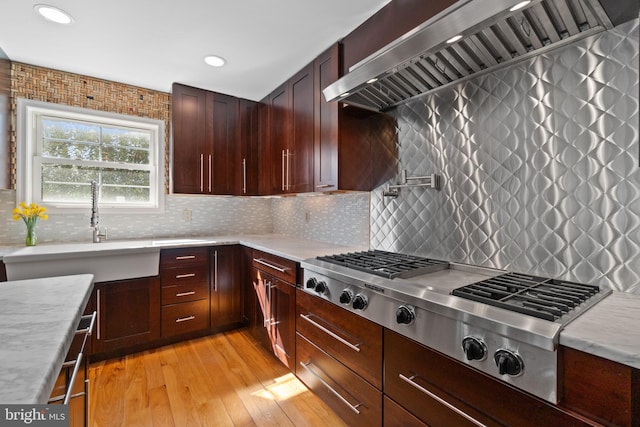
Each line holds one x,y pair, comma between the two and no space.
221,380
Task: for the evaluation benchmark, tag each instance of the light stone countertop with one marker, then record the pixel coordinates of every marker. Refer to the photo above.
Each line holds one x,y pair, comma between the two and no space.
610,329
38,320
290,247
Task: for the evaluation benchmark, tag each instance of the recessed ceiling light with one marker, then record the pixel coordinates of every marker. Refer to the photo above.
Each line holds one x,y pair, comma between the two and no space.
53,14
215,60
454,39
520,5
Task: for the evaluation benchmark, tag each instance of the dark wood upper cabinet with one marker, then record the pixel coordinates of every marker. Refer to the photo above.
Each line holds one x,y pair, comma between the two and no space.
223,132
191,148
299,153
213,139
279,130
354,149
325,168
247,176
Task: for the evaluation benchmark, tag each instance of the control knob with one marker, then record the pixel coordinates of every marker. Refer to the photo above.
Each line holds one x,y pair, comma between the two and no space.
311,283
508,362
346,296
474,348
321,287
405,315
360,302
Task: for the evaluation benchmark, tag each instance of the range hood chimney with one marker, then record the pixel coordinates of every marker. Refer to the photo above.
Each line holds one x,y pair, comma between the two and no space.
493,34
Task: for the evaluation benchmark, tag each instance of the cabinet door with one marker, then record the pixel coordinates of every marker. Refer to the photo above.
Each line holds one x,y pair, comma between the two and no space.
299,153
226,288
190,144
222,125
128,314
282,322
279,135
257,305
247,176
325,150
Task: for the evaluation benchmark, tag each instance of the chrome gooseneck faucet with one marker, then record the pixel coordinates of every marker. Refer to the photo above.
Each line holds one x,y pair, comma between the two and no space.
97,236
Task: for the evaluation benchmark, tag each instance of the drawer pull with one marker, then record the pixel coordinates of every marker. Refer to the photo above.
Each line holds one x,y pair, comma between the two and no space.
307,317
411,382
354,408
185,319
184,294
267,264
184,276
186,257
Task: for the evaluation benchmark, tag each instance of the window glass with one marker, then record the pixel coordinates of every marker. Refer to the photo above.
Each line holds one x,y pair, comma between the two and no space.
67,148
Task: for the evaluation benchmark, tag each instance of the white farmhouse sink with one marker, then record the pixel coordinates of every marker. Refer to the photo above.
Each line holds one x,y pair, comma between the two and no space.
106,261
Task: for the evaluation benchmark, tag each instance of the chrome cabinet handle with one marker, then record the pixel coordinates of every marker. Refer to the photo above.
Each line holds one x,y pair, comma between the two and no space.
275,267
333,335
409,380
184,294
288,169
184,276
184,319
215,271
201,172
283,170
354,408
244,175
185,257
267,304
72,381
210,173
98,311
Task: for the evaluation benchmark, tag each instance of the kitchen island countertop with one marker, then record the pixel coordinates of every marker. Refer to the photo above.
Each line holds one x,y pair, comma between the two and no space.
38,321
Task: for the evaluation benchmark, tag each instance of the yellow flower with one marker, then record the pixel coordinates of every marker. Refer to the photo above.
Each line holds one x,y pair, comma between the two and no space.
29,213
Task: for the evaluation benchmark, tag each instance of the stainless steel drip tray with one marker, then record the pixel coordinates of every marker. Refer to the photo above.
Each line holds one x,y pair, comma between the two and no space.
456,276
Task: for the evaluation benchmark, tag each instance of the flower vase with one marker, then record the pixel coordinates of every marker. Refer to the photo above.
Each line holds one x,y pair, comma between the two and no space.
31,239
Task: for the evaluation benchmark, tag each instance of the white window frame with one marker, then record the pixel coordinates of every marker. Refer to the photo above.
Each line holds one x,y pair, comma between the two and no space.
28,177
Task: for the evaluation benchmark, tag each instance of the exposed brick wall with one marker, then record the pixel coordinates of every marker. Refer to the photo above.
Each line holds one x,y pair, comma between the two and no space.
59,87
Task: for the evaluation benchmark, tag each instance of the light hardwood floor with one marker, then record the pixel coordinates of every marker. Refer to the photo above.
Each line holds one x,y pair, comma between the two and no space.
220,380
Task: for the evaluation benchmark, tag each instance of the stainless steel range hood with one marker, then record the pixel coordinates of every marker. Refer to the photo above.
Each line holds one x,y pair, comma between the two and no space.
493,35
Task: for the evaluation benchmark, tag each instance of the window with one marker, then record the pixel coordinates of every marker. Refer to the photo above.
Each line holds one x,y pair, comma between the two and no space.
62,149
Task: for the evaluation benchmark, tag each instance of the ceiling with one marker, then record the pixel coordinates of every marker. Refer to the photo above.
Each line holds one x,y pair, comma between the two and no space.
153,43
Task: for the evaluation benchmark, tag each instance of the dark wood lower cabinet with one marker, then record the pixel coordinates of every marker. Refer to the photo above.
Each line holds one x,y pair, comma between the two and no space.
226,286
276,310
128,314
420,380
355,400
600,389
395,415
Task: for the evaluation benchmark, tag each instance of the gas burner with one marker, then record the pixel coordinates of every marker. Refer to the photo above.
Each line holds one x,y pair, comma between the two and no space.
387,264
547,299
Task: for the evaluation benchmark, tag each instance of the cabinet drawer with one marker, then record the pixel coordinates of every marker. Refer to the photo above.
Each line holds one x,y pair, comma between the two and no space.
184,292
187,317
420,379
396,416
356,401
279,267
353,340
185,275
183,256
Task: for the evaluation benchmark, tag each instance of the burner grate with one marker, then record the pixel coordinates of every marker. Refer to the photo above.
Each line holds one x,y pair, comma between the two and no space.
547,299
386,264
